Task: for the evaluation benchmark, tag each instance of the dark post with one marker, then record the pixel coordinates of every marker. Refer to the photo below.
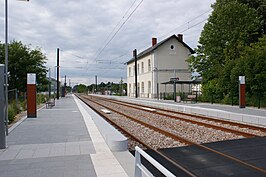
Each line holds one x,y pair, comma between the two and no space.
57,94
175,91
212,97
96,84
196,96
65,81
136,72
49,83
121,92
157,88
232,98
259,100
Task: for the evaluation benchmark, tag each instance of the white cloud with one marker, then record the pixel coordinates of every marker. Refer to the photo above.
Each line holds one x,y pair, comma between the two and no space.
79,29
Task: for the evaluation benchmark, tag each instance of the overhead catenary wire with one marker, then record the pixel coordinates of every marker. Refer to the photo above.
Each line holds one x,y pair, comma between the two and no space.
187,23
189,27
111,61
194,25
118,30
116,26
119,22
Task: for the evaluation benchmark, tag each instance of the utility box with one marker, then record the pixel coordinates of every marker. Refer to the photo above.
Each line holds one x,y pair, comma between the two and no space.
31,96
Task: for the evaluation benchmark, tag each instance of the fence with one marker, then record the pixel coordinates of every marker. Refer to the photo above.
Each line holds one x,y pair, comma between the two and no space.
139,168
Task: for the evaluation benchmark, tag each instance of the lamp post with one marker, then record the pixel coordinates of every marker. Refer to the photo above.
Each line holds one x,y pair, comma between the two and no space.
6,68
6,64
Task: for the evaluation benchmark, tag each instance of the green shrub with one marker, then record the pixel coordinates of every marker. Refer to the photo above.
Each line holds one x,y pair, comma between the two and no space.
41,98
12,111
23,105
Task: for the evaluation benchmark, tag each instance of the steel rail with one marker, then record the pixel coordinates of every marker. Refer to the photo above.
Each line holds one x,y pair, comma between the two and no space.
237,132
137,139
178,138
196,116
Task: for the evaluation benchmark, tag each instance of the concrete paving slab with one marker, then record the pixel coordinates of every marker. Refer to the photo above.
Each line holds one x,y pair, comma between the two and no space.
55,143
103,154
62,141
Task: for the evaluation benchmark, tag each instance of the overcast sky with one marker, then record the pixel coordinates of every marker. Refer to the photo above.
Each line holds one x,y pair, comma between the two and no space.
82,28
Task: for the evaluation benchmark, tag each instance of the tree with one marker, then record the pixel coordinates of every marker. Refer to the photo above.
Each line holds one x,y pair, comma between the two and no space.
253,66
23,60
81,88
260,7
231,27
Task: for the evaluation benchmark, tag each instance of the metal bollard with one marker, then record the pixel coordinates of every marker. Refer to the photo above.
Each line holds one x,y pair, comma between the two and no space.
2,117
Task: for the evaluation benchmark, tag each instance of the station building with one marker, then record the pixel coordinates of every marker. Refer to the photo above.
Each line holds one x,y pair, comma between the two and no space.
158,64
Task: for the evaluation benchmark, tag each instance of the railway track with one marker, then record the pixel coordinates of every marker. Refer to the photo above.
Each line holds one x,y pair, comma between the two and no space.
224,125
151,130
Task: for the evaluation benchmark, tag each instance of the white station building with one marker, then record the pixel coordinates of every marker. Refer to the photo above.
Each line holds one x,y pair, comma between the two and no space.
158,64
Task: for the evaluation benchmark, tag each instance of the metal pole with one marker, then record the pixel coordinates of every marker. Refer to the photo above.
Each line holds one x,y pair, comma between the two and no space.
157,80
16,95
121,86
6,67
175,91
49,82
65,87
2,108
136,80
54,80
96,84
57,94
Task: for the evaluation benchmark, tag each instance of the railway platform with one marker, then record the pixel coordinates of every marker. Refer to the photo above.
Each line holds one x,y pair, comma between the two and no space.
62,142
68,140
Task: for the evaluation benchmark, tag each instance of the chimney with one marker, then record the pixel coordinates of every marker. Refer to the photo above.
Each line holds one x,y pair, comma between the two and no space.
180,37
154,41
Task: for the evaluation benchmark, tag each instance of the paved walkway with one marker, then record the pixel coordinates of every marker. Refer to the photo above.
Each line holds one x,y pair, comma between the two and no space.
60,142
234,109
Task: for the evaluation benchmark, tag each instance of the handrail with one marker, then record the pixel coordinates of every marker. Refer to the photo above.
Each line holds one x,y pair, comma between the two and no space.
139,168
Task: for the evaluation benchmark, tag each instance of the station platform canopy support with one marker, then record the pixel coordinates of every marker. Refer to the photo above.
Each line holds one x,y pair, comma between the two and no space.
175,82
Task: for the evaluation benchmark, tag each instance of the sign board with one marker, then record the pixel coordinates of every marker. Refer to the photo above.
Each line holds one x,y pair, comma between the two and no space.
174,79
242,92
242,79
31,95
31,78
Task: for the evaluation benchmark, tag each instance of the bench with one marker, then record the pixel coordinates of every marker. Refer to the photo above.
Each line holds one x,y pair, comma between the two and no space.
191,98
50,103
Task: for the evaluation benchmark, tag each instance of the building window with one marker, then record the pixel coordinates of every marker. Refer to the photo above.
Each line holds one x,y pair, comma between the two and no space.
129,71
142,67
149,65
149,86
133,70
142,87
172,47
129,88
138,69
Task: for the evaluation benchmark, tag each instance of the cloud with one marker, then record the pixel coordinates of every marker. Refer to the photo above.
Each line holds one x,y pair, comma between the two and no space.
80,28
